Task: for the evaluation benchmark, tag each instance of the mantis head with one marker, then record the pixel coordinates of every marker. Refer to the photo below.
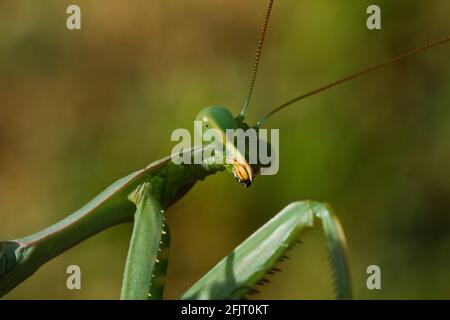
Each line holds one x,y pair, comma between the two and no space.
221,119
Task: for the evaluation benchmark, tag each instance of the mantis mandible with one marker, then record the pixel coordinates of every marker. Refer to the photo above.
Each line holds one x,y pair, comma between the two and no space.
145,195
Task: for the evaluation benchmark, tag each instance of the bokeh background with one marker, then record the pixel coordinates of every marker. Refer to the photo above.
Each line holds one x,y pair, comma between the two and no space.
79,109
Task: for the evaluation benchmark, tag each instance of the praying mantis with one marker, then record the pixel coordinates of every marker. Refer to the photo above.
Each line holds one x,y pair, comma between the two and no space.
144,196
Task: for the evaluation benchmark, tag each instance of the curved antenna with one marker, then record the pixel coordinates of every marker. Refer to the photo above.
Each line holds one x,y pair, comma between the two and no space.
355,75
257,58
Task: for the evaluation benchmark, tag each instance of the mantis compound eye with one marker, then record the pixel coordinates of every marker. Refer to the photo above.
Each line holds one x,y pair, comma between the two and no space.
216,117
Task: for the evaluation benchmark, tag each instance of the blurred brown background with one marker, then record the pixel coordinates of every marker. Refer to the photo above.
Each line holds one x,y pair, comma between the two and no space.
79,109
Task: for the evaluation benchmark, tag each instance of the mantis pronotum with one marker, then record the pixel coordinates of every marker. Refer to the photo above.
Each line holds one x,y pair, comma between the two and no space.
145,195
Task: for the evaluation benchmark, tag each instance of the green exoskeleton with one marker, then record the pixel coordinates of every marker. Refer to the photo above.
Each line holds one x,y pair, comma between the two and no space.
144,196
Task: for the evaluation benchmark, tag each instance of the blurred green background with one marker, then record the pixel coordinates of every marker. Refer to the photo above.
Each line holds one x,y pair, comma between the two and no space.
79,109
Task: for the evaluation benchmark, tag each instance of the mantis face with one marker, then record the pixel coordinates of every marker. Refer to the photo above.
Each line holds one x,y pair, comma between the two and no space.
221,119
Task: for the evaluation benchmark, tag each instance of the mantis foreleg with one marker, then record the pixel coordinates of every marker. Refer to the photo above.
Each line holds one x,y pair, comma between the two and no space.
160,272
246,266
144,244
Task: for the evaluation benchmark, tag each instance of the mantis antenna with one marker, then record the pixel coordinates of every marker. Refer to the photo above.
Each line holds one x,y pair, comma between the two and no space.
257,58
404,55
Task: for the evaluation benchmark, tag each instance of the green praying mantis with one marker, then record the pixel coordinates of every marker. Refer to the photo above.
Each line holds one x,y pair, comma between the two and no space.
144,196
